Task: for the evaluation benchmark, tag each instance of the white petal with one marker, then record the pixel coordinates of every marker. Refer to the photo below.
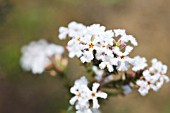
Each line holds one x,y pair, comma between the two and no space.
95,104
95,87
102,95
102,65
73,100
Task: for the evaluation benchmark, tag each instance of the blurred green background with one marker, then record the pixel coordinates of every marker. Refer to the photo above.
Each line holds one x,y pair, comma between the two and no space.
22,21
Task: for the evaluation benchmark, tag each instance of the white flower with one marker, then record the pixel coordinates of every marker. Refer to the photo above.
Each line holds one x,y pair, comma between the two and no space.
74,30
106,38
87,56
159,69
83,94
63,33
95,30
117,51
153,77
102,53
74,47
108,62
143,87
80,90
120,32
138,63
35,56
124,37
122,58
96,94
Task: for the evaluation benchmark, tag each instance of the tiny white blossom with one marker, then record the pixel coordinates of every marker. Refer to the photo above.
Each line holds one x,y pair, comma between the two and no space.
108,62
153,78
138,63
143,87
95,30
97,94
83,94
74,30
124,37
87,56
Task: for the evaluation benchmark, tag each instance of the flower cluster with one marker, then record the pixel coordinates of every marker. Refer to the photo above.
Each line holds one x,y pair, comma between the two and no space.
105,55
95,42
107,51
37,56
153,78
83,95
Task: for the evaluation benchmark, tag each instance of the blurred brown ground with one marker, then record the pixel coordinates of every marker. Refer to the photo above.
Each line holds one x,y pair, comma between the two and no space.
22,21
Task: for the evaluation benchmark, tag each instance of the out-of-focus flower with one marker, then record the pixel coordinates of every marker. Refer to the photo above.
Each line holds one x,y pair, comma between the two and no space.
138,63
98,73
126,89
153,78
36,55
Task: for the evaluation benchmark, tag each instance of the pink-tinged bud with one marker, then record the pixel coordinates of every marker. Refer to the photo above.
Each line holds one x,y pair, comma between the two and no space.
123,45
132,74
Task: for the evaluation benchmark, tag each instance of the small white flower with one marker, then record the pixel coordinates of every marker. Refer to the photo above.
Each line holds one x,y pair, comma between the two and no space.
122,58
87,56
83,94
108,62
74,30
63,33
117,51
80,90
83,107
123,63
143,87
120,32
96,94
124,37
74,47
153,78
95,29
138,63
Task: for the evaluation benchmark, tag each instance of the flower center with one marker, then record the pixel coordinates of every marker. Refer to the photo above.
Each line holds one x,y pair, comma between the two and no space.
93,94
78,39
91,45
79,94
122,57
149,83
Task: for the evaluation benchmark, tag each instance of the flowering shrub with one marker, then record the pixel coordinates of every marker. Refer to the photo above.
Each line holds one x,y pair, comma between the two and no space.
105,55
